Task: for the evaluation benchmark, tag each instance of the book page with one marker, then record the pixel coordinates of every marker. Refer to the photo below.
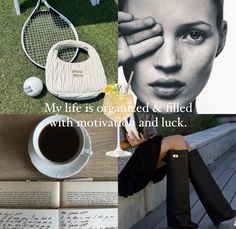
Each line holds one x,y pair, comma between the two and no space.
95,193
89,218
28,219
29,194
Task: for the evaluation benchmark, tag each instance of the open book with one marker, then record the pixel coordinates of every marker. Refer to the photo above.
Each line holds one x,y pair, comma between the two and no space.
56,205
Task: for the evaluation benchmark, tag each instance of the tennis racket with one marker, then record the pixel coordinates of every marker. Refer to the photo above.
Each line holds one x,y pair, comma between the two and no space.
45,27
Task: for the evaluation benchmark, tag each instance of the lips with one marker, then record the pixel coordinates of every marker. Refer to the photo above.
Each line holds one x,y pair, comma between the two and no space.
167,88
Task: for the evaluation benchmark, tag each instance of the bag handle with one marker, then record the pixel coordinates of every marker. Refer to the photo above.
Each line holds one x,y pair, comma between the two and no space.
74,44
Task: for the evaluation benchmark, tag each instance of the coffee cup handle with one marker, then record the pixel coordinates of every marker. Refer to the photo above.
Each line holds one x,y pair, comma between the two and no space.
87,142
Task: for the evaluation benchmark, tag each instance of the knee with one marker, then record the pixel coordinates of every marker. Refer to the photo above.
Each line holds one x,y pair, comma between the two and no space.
181,142
174,142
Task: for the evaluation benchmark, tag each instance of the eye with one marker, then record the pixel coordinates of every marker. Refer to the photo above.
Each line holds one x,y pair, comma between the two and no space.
194,37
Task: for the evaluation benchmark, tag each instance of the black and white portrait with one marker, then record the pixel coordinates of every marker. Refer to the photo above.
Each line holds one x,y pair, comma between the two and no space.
180,52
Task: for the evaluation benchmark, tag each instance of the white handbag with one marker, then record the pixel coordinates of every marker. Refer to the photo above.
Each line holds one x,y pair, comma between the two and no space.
74,81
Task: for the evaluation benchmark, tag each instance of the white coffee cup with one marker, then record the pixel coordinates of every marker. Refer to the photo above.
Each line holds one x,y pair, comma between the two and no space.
68,122
65,168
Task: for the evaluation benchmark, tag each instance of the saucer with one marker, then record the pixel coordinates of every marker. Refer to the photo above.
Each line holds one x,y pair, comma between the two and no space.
60,171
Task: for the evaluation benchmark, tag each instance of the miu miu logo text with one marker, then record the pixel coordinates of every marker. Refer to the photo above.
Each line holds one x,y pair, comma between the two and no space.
77,73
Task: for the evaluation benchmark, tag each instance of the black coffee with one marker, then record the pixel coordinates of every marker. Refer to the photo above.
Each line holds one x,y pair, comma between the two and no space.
59,144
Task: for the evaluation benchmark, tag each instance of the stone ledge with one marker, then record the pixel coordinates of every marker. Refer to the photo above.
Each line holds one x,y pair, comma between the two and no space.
211,144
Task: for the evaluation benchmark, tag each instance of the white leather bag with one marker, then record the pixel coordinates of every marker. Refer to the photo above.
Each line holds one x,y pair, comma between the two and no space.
74,81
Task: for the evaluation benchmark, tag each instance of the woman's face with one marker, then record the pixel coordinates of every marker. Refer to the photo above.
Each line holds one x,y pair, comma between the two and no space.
178,71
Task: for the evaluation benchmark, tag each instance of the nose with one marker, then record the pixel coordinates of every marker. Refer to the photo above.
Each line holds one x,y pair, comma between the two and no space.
167,58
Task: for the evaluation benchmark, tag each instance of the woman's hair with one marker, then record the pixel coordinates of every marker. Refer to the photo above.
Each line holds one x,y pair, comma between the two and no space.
219,8
220,12
121,4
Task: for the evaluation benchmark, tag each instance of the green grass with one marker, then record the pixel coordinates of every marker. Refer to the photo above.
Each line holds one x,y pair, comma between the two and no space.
95,25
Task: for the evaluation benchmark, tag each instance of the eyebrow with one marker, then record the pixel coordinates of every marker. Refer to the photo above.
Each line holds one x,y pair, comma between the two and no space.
196,24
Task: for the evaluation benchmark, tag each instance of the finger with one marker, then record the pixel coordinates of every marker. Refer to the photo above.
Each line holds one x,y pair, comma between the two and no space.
124,17
129,138
142,137
144,35
136,25
131,141
134,137
146,46
124,53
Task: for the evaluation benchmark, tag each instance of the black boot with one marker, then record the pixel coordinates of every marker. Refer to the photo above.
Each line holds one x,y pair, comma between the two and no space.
177,200
217,207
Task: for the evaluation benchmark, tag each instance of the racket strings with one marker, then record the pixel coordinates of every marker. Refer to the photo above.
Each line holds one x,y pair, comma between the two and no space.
43,30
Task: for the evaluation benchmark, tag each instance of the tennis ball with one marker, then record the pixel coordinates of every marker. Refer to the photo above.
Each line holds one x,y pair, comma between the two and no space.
33,86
